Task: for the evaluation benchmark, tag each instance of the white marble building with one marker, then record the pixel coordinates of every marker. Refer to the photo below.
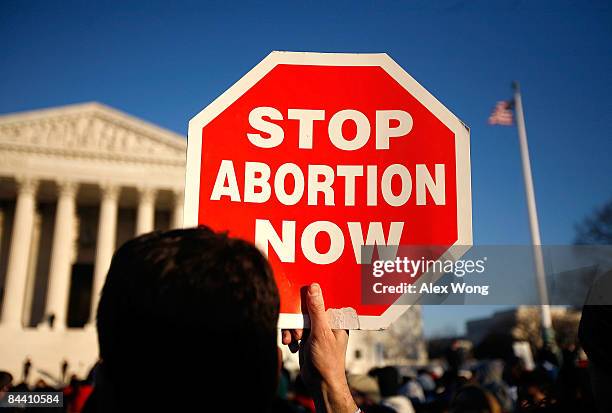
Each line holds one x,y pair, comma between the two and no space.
76,182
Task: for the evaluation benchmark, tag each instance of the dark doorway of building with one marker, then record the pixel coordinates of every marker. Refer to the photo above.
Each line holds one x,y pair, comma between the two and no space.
80,294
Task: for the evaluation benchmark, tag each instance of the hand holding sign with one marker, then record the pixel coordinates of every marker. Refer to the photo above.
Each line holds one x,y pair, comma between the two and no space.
322,355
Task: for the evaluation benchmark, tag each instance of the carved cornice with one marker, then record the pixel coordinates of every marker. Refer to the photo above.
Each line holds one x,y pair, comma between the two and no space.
61,153
90,131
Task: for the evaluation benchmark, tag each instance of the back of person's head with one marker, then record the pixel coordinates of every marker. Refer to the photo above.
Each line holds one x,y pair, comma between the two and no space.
388,380
474,399
6,379
534,388
189,317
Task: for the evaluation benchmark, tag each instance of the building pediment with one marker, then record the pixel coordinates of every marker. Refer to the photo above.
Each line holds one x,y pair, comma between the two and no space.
90,130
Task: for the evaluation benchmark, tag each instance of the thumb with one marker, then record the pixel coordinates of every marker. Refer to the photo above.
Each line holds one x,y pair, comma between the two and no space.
316,307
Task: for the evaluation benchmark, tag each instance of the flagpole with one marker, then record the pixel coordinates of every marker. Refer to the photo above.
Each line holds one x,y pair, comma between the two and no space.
547,331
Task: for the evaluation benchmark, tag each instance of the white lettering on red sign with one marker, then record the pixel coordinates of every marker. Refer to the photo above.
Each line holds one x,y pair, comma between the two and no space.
261,183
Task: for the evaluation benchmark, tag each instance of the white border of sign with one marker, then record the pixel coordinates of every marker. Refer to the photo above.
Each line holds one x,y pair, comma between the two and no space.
462,151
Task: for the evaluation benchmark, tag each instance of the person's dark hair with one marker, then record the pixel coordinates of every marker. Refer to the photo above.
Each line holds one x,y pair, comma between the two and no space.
474,399
190,306
6,379
388,380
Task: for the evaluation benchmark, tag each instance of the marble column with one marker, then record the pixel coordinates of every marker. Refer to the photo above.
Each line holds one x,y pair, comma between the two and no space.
105,244
60,267
177,211
145,219
17,267
32,269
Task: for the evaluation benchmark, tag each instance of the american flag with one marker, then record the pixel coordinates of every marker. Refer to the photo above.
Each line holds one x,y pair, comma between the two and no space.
502,114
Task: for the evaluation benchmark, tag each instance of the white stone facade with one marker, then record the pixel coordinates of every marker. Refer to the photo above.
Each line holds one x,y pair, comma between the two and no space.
75,182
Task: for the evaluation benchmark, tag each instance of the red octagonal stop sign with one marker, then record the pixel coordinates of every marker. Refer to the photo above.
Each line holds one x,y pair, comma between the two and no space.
313,155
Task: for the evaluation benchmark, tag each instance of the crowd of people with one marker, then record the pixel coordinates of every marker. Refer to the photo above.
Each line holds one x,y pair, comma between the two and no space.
161,351
483,386
456,384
